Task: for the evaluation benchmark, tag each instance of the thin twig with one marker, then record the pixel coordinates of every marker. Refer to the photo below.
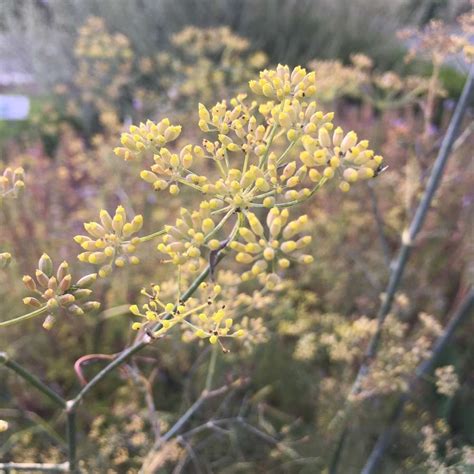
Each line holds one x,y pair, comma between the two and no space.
464,136
206,395
464,311
179,468
71,437
86,359
211,424
269,439
35,419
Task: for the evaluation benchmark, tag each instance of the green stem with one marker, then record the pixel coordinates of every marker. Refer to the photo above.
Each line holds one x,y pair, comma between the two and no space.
297,201
31,379
219,226
320,184
71,436
246,163
191,185
24,317
146,238
288,149
221,169
211,369
264,158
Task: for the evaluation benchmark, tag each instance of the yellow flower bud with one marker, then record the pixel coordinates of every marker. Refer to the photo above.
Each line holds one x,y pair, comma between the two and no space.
324,138
314,175
349,141
344,186
288,246
335,162
117,223
269,201
337,136
350,175
148,176
262,185
259,266
255,224
306,259
328,173
207,225
269,253
242,257
174,189
214,244
48,324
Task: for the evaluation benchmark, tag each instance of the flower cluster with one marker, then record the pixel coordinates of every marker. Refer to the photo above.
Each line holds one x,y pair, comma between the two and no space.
56,291
12,182
269,153
104,64
271,248
216,313
384,90
147,138
335,79
110,243
208,62
169,168
182,242
342,154
213,321
437,40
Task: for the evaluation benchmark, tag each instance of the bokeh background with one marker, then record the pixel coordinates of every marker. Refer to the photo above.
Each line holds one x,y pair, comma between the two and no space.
392,72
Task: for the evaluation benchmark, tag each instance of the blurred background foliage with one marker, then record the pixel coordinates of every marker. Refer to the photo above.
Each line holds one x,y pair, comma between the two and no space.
96,66
43,32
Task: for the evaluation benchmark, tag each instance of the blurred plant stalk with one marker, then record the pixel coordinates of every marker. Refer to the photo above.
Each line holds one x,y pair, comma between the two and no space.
398,266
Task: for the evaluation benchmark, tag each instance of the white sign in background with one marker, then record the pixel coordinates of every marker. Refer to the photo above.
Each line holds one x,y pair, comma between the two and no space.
14,107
